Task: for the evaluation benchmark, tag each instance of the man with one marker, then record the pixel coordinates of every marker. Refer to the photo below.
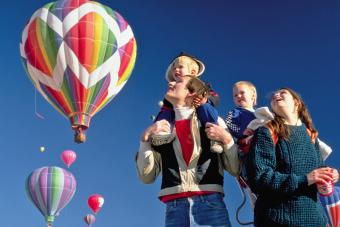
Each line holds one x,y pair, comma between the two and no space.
192,175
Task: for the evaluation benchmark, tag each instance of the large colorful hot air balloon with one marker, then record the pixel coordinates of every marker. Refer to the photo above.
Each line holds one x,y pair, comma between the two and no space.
68,157
95,202
78,54
331,205
89,219
50,189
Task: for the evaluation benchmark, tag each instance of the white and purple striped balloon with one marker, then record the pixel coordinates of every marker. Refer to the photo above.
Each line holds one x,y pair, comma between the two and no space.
89,219
50,189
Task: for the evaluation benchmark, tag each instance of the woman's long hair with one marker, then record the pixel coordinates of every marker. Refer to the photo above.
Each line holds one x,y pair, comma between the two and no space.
278,126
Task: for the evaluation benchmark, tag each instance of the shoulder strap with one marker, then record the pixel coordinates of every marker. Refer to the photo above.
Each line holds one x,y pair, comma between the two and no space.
275,137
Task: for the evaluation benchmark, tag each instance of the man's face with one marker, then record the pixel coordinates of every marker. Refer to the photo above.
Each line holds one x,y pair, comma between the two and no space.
177,93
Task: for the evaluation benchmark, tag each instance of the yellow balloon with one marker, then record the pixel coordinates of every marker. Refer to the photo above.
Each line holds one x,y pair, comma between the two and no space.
42,149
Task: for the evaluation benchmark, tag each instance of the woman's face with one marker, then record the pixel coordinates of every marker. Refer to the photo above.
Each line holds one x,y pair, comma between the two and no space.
283,101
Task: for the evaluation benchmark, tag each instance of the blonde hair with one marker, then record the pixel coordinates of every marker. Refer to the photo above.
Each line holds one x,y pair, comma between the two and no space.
251,86
191,63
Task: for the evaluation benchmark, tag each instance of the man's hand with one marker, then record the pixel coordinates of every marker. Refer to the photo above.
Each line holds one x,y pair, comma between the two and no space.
218,133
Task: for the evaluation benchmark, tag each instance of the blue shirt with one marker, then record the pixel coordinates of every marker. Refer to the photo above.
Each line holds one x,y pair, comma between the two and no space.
237,121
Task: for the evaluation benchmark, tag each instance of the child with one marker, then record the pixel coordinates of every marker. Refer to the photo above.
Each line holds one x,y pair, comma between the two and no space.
244,96
178,70
243,120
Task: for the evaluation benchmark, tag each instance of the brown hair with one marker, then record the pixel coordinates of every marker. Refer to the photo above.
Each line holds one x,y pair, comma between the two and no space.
278,126
251,86
197,86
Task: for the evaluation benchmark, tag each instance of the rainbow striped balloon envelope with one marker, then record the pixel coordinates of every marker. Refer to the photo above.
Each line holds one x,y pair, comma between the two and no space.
50,189
78,54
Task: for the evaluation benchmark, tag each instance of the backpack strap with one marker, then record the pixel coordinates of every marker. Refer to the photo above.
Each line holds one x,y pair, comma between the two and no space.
275,137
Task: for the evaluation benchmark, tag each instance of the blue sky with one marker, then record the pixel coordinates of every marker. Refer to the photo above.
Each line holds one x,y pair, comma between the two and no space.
270,43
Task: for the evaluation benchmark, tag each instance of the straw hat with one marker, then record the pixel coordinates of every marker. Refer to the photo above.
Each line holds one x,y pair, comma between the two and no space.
168,73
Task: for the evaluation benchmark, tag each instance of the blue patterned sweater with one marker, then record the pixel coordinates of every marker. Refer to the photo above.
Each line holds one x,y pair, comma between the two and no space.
277,173
237,121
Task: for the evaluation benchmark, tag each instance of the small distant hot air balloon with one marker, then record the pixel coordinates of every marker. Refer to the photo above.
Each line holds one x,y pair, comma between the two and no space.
95,202
89,219
79,55
50,189
331,205
68,157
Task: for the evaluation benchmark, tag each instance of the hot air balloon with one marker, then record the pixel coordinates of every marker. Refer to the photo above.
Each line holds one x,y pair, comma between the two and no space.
95,202
68,157
50,189
331,205
78,54
89,219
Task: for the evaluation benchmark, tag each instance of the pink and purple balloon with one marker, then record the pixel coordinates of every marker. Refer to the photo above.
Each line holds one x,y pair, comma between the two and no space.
68,157
50,189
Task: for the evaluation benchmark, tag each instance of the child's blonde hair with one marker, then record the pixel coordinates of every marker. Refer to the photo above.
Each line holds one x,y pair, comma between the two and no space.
251,86
193,64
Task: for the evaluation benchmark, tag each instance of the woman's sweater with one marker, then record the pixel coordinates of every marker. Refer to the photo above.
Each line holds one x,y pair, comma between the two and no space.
278,174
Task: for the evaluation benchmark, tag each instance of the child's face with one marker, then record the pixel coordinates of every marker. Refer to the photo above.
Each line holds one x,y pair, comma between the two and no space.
243,96
181,68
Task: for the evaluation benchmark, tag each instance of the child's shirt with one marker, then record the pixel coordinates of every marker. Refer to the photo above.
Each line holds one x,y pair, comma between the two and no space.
237,121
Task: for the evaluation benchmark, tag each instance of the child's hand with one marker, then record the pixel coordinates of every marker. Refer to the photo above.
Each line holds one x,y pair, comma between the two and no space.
199,100
248,132
244,144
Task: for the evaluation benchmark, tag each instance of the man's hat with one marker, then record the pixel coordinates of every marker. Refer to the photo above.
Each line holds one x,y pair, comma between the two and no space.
201,67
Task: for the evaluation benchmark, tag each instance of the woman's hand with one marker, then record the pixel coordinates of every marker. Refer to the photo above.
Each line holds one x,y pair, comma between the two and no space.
322,175
217,133
335,176
155,128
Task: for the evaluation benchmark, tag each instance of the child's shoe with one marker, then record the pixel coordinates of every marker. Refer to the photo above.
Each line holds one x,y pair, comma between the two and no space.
162,138
216,147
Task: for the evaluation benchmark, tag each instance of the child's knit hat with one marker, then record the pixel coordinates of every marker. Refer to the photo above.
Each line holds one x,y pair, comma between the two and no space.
168,73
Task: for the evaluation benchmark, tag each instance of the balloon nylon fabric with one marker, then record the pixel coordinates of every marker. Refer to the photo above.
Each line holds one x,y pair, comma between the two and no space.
89,219
79,55
331,205
50,189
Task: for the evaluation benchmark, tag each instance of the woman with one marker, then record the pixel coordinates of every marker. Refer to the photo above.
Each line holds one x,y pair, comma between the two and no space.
284,173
